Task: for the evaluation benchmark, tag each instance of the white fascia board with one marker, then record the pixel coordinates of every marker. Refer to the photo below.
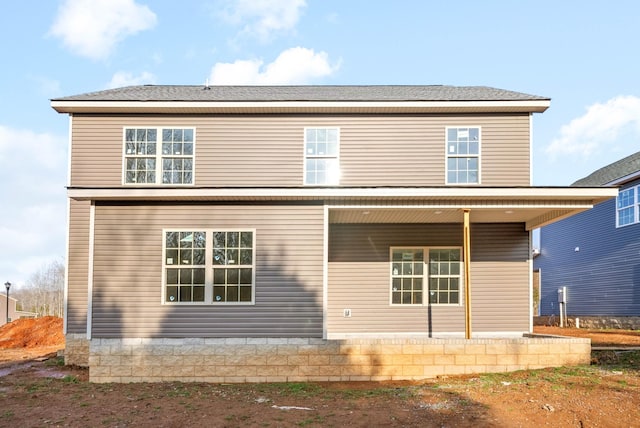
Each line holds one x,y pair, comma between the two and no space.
147,106
625,179
592,195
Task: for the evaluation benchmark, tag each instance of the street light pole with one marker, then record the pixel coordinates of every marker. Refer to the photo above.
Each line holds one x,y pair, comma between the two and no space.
8,285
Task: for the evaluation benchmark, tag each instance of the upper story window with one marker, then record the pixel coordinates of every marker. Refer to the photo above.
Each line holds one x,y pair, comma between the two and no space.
627,207
413,277
209,266
321,160
463,155
158,155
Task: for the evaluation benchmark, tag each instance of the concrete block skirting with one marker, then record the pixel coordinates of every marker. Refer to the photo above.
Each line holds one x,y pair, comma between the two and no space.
594,322
308,359
76,350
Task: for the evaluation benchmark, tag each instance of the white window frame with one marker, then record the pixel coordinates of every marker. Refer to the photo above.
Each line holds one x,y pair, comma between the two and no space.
332,179
209,299
159,156
448,155
635,206
426,276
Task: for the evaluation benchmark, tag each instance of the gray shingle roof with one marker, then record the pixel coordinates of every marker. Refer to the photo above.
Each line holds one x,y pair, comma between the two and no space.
611,172
303,93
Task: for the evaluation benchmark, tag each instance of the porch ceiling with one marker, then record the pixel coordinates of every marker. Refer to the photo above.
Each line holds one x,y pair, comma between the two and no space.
531,217
533,206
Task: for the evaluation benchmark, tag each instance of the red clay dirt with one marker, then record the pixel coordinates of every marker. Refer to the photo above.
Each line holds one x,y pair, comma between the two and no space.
35,392
27,338
599,338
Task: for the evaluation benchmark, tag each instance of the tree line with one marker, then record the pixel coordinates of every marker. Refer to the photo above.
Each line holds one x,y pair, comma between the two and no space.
43,293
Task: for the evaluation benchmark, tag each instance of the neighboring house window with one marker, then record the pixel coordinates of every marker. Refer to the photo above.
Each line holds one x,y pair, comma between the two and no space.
440,272
627,207
158,155
463,155
209,266
321,163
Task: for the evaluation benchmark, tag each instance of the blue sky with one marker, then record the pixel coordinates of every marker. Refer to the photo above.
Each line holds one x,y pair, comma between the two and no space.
581,54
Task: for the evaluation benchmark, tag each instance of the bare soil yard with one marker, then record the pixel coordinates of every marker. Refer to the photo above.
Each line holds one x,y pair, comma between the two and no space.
42,392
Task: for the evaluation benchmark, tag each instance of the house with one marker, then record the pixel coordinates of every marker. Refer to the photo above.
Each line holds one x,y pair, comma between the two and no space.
248,233
596,254
14,314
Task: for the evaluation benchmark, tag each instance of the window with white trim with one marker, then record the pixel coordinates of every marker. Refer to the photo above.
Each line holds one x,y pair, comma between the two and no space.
158,155
463,155
440,273
209,266
321,156
628,206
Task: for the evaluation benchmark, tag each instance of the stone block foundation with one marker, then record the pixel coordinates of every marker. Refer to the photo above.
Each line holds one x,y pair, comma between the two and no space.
76,350
307,359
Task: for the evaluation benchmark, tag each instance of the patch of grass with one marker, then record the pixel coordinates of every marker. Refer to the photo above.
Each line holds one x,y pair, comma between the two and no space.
70,379
314,420
293,389
616,360
41,385
55,362
7,414
400,392
179,390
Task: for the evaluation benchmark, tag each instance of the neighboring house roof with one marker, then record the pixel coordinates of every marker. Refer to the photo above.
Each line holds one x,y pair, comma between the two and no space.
303,93
301,99
616,173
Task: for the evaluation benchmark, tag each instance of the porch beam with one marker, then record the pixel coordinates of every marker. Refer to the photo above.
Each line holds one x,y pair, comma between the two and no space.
466,250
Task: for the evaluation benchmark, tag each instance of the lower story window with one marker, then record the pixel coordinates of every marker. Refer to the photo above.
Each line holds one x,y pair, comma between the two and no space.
410,271
444,276
209,266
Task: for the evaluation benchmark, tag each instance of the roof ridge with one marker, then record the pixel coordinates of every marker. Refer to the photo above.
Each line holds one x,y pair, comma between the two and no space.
609,173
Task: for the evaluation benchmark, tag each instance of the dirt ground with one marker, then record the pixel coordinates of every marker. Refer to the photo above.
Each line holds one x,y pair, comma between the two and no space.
43,392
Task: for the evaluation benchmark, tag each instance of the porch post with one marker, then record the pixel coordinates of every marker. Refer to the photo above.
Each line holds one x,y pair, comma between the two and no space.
466,251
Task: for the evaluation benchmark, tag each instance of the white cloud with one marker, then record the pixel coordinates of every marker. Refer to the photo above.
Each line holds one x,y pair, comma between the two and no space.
124,78
263,18
293,66
92,28
599,128
32,179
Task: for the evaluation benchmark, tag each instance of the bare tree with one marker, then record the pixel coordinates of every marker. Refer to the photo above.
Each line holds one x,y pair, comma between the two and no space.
43,293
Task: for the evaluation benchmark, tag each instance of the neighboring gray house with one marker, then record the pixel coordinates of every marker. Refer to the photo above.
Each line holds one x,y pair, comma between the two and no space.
252,233
596,254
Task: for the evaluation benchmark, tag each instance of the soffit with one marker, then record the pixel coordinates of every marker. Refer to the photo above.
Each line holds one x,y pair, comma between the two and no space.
532,206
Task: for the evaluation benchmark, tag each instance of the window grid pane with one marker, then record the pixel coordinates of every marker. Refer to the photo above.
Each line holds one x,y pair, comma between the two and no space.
168,161
444,276
321,156
626,207
183,281
407,269
140,152
233,266
220,272
463,151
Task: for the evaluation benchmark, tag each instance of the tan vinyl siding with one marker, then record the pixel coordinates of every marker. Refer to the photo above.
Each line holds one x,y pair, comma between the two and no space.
403,150
78,264
359,279
128,272
501,295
